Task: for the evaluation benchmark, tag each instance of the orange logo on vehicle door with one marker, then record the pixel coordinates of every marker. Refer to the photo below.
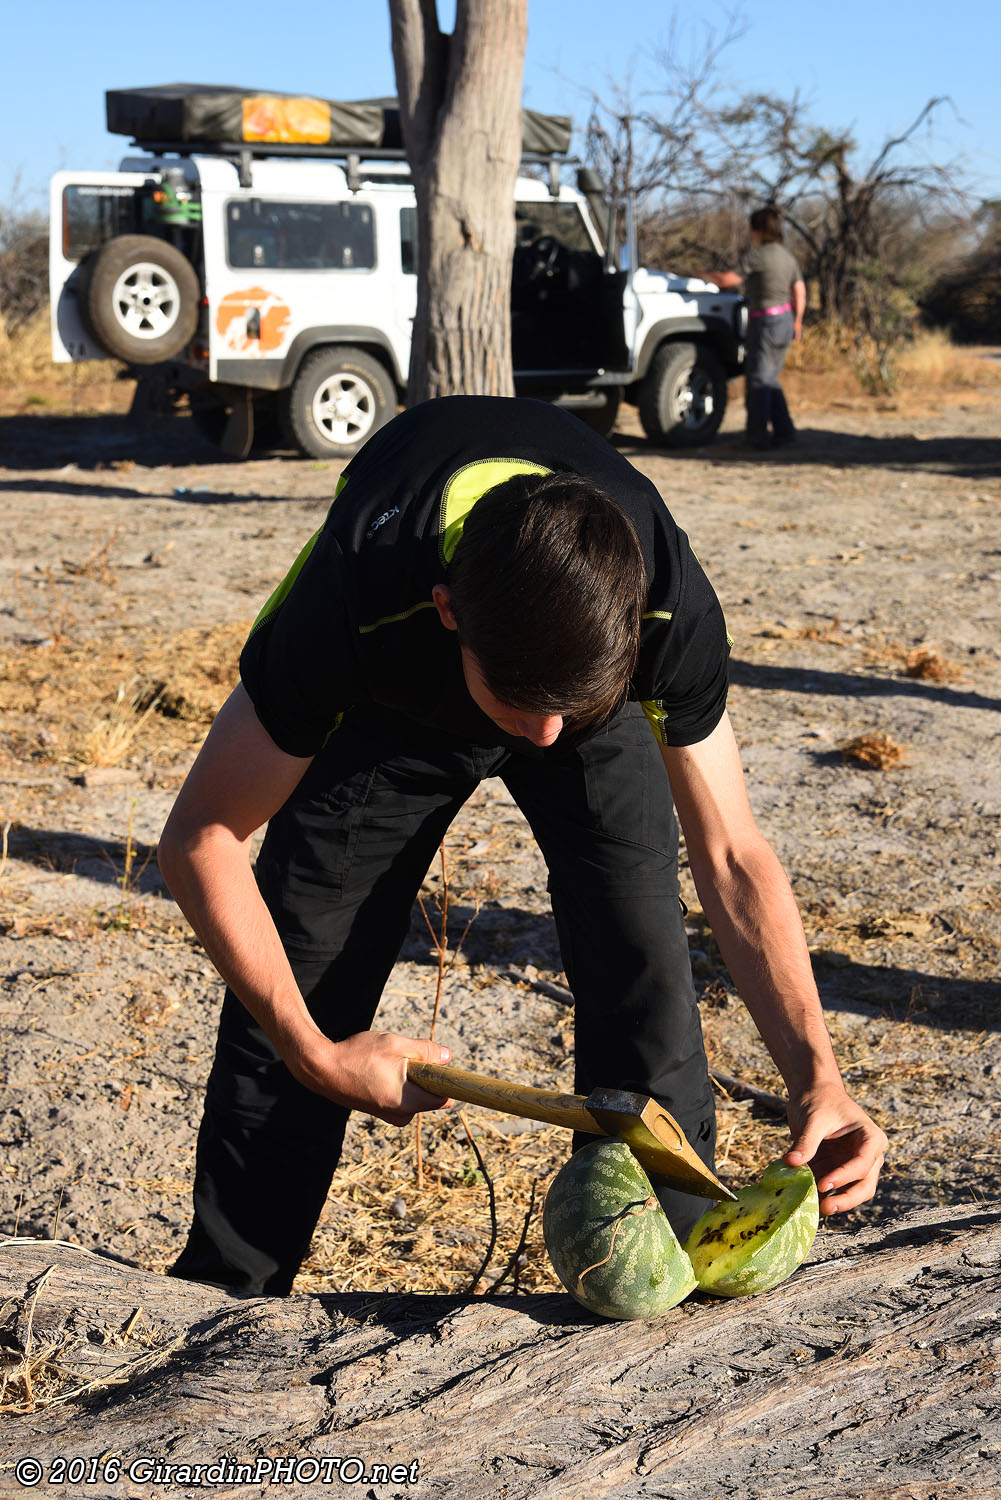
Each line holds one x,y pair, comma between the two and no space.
252,322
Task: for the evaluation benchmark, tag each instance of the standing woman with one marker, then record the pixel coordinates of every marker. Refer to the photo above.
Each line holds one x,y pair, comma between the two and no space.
776,294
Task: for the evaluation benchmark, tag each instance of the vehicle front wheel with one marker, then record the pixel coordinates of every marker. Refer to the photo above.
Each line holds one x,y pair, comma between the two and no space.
682,400
339,398
140,298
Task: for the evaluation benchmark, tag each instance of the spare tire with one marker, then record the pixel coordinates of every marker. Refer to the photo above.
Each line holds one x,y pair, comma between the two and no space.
140,299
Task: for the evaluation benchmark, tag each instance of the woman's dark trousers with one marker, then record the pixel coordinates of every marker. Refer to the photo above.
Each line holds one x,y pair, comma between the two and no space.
768,340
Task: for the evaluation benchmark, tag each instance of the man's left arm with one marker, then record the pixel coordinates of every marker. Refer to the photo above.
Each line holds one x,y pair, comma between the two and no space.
750,906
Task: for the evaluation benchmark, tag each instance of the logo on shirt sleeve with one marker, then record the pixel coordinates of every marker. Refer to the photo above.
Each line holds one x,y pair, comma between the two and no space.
387,515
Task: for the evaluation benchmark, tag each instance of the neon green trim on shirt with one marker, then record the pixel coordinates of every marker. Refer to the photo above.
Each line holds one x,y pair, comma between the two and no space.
658,614
469,484
393,619
657,715
283,590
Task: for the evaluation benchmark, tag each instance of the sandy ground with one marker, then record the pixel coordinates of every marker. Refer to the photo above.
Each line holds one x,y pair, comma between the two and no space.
859,573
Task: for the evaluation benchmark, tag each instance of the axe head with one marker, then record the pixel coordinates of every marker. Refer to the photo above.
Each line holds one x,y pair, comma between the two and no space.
655,1139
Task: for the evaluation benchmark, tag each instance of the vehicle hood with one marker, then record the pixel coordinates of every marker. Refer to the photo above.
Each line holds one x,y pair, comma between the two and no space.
665,281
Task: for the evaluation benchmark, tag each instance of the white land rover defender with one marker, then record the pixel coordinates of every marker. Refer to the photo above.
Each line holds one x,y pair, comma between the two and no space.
259,255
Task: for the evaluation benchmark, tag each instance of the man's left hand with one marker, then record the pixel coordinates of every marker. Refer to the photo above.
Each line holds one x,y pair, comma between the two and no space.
843,1147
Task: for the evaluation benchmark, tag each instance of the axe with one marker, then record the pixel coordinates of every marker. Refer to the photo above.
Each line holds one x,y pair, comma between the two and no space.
654,1136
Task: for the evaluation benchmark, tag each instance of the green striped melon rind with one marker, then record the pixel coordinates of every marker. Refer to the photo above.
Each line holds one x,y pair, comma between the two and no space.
603,1191
738,1249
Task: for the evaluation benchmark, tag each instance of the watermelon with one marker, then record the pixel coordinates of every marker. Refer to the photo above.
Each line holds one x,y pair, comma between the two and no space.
748,1246
609,1239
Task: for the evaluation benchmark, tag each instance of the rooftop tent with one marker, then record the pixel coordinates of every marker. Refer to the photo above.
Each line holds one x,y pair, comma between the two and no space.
541,135
185,114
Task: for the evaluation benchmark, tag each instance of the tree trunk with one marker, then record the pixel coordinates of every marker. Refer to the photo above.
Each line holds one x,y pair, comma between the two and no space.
871,1375
460,107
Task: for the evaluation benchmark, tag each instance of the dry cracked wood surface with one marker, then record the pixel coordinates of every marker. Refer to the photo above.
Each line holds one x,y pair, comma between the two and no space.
871,1374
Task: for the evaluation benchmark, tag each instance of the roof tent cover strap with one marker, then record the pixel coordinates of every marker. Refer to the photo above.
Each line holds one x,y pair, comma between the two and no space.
186,113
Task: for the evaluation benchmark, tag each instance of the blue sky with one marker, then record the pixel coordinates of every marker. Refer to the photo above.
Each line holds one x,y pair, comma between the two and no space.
867,66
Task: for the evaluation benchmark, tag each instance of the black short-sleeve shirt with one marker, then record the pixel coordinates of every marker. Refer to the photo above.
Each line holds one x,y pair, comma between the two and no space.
354,620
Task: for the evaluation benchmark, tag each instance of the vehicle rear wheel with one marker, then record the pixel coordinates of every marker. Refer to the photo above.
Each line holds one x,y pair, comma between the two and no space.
682,400
339,398
140,299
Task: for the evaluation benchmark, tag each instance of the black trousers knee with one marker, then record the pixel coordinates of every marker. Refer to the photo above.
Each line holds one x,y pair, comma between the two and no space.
339,870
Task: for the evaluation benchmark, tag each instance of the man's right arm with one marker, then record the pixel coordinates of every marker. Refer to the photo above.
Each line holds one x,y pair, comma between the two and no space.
239,780
798,295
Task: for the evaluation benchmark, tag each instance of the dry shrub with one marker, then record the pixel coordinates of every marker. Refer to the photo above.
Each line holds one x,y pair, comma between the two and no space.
876,751
824,349
933,361
31,381
824,365
26,355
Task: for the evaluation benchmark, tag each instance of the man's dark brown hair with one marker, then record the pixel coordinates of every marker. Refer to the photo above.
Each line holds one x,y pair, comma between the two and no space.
548,590
767,222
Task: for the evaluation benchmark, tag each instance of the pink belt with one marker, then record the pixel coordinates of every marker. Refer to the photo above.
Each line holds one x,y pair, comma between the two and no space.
768,312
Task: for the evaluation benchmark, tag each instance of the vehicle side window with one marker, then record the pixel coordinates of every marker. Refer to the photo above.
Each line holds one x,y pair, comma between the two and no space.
279,236
408,240
96,213
563,221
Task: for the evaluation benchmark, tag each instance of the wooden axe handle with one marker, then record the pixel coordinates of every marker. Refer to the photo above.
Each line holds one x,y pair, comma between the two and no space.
512,1098
671,1158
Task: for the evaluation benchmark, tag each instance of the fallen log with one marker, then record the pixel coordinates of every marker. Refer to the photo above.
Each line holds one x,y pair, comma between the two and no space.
873,1372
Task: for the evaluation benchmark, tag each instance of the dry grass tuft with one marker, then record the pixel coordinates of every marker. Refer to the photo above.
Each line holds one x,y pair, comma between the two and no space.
473,1227
37,1368
920,662
830,634
111,739
876,751
926,664
105,702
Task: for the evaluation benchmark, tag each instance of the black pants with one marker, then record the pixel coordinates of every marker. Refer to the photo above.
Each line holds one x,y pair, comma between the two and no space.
768,340
340,868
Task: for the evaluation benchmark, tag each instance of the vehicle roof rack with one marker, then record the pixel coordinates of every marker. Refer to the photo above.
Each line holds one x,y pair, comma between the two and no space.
243,154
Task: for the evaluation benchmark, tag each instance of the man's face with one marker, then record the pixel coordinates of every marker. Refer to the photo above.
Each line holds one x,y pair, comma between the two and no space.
540,729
